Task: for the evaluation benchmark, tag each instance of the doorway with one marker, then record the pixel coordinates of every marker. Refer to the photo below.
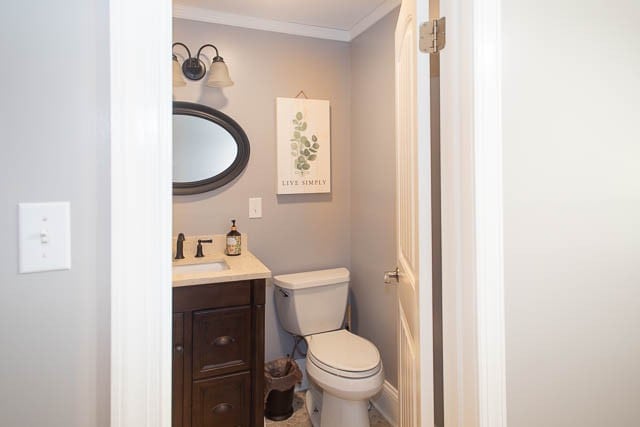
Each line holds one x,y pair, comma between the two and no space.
135,351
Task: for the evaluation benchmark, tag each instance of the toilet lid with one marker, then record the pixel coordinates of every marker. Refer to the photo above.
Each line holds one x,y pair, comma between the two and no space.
345,352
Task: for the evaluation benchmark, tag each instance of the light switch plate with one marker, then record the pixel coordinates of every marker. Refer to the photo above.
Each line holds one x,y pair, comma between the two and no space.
44,235
255,207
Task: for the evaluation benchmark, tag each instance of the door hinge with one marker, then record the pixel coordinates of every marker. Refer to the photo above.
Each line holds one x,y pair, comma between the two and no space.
433,35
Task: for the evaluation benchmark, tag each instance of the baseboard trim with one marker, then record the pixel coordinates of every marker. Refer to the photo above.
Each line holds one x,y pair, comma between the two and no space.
386,402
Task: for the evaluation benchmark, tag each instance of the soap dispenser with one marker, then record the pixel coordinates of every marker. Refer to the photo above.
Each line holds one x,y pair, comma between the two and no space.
234,239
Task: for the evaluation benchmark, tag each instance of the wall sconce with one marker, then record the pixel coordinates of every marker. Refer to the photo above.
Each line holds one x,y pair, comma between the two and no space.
194,69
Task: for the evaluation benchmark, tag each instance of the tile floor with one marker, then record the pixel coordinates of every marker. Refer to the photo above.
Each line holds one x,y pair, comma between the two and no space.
301,419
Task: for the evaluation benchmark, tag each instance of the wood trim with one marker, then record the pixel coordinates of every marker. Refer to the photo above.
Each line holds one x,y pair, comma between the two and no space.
258,296
140,115
475,392
188,369
370,20
243,21
425,352
215,17
177,386
489,255
458,157
257,380
258,299
436,227
386,402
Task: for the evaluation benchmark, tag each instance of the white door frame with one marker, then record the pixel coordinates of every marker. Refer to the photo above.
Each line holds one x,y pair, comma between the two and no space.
473,299
489,252
141,111
140,36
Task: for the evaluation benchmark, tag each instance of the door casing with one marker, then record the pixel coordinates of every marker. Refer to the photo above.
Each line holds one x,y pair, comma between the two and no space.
473,291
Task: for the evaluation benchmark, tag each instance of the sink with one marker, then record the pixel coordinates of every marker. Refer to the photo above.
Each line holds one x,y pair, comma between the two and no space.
211,267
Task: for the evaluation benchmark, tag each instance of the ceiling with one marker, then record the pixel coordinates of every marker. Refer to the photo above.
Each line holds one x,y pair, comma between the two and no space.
334,14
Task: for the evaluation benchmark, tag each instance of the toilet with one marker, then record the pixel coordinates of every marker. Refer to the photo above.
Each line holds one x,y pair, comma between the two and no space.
345,370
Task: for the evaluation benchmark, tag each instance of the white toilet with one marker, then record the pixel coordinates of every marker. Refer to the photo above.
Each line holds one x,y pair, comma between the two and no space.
345,369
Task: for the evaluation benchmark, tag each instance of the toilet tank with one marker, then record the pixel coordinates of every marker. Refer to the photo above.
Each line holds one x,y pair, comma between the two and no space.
312,302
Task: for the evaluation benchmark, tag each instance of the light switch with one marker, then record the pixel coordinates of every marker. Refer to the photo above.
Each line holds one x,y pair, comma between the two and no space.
44,236
255,207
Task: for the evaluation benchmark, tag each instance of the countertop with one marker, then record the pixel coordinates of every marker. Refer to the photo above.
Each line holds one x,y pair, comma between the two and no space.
242,267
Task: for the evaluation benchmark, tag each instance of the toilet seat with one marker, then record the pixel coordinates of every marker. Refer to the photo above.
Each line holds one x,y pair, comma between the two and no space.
344,354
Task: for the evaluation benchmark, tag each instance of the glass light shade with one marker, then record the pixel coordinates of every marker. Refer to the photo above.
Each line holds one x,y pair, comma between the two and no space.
219,75
178,80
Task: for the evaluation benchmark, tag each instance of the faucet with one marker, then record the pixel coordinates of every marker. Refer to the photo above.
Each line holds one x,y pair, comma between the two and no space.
180,246
199,253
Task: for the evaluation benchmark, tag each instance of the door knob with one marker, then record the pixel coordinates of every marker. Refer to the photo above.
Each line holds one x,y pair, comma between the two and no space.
392,277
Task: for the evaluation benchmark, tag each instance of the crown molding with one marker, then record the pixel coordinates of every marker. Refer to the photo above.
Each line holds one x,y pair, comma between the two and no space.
215,17
368,21
244,21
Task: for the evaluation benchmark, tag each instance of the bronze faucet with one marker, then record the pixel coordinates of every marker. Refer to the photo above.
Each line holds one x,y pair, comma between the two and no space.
180,246
199,253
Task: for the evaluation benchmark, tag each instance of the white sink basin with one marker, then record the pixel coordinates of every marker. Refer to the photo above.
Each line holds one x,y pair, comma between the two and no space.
211,267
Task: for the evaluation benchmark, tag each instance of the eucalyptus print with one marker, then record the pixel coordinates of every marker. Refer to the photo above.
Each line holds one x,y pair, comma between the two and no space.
302,149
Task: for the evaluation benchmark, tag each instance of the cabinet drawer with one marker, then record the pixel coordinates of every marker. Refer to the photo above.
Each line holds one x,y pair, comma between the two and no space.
222,401
217,295
221,341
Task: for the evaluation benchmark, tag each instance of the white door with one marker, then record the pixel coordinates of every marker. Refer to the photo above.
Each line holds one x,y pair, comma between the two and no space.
414,230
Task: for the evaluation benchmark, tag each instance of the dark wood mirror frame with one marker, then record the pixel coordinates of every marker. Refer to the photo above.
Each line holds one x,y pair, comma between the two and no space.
239,136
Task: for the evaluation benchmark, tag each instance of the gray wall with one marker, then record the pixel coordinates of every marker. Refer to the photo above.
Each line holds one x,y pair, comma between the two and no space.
54,327
297,232
572,212
373,188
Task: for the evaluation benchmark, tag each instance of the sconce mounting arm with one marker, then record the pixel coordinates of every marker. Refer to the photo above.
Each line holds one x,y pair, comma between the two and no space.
184,46
209,45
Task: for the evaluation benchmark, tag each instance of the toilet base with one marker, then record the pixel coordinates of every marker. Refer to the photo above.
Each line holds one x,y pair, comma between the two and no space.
326,410
313,402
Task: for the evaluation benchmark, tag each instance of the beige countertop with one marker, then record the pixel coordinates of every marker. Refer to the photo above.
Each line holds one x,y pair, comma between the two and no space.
242,267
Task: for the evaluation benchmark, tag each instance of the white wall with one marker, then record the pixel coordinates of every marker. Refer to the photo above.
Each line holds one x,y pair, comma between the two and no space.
572,212
54,136
373,189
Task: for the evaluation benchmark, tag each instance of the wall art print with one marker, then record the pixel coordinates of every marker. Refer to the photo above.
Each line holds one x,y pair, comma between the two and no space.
304,145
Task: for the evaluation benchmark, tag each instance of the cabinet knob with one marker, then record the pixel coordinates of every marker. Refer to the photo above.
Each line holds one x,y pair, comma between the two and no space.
225,340
222,408
179,348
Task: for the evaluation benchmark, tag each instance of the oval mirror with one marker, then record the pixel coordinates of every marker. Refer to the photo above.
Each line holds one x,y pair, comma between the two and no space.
209,148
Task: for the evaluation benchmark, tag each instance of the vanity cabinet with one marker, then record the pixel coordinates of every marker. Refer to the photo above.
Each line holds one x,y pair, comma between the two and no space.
218,354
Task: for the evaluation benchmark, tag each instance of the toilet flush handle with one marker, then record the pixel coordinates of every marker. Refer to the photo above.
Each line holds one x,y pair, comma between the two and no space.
284,294
392,277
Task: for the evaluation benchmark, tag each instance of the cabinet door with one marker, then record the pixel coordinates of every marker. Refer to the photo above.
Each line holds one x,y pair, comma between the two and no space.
222,401
178,370
221,341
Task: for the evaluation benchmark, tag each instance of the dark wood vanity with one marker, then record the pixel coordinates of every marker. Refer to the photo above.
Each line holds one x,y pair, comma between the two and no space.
218,354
